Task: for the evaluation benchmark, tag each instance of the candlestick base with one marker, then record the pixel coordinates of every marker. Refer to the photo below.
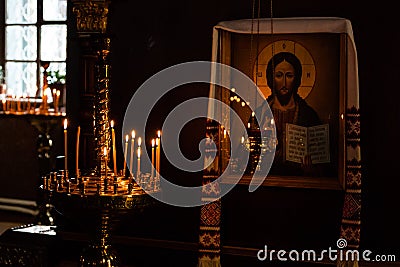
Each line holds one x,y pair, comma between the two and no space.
97,204
95,255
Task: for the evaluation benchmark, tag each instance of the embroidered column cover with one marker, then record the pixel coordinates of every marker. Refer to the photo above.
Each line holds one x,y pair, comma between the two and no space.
209,239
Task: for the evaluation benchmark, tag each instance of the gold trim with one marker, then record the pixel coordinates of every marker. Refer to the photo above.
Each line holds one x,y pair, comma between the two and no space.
91,16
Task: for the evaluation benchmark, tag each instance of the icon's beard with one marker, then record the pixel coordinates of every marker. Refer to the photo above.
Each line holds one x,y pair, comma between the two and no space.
283,98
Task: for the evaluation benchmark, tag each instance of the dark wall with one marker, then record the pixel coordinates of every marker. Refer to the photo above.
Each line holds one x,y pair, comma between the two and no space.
151,35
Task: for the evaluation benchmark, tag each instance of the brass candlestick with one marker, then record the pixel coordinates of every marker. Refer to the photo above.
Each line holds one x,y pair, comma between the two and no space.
100,193
102,200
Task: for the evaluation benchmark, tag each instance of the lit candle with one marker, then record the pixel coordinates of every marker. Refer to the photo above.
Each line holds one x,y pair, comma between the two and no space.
58,98
132,150
55,100
157,157
65,145
138,157
53,94
114,148
152,158
29,104
77,150
159,151
8,104
44,99
13,103
126,153
18,98
105,160
23,101
224,133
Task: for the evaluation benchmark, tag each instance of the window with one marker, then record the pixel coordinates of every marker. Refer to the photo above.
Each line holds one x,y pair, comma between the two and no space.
35,42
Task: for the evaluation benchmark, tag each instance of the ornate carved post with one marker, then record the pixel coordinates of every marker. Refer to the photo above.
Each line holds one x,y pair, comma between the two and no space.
102,105
91,23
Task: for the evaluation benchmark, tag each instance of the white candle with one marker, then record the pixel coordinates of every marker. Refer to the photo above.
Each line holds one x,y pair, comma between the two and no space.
54,92
57,95
157,157
65,145
132,151
114,148
152,158
29,104
18,98
138,157
77,150
23,99
159,151
105,160
126,153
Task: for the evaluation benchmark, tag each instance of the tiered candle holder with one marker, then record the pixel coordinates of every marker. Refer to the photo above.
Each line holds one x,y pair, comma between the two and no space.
106,199
101,194
25,105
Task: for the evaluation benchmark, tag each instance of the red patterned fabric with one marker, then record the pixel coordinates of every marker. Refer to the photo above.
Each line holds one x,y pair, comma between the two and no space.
210,213
351,215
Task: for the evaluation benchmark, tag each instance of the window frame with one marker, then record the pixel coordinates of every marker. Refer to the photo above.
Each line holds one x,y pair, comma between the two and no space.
39,23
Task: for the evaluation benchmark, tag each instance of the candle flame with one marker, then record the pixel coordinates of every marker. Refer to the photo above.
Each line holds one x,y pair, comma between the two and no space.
65,124
54,91
272,121
58,93
127,138
242,140
112,124
133,134
139,141
152,142
157,141
159,133
47,92
138,153
105,151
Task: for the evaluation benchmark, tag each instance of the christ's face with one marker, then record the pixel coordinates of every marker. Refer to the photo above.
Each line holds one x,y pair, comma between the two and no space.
284,82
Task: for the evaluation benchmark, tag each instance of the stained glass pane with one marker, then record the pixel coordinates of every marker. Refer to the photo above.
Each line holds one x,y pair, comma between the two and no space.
54,42
55,10
21,11
21,43
21,78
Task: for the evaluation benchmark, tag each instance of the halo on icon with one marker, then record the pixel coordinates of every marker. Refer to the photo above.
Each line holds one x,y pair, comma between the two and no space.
260,66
